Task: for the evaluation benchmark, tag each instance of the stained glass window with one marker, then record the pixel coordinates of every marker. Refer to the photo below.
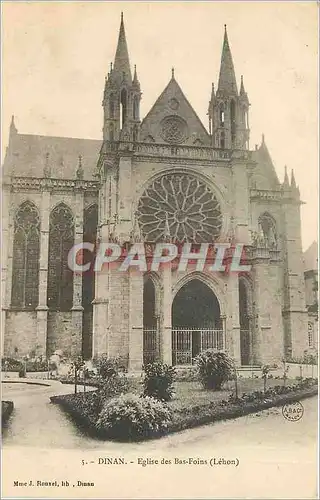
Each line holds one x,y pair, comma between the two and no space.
26,252
60,277
90,222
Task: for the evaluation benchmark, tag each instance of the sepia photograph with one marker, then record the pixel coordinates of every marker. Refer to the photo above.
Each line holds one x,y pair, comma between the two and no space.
159,249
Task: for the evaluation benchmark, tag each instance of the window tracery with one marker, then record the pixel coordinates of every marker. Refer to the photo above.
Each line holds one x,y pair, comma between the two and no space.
183,204
60,276
26,252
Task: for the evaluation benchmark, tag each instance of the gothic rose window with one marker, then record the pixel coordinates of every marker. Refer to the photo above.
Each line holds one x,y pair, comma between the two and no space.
60,277
174,130
26,251
181,204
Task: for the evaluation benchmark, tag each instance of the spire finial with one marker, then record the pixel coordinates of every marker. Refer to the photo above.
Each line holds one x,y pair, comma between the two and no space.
13,128
121,61
227,80
172,72
286,179
79,172
293,181
263,141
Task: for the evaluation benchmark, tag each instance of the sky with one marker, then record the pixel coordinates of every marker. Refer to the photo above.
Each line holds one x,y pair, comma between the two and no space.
55,56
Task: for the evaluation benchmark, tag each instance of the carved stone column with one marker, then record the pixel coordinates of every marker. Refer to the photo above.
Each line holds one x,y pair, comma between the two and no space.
234,290
165,319
135,319
7,242
42,309
77,309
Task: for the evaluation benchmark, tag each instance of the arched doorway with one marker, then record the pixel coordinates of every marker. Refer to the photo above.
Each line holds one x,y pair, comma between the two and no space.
196,322
150,322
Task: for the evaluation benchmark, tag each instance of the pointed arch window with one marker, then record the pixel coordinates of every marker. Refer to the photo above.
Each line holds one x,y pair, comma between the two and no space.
90,223
123,107
135,108
111,106
233,120
60,276
221,115
111,132
135,133
222,140
26,253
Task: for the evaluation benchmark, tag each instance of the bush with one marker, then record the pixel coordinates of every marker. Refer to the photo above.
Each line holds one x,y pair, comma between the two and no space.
10,365
85,407
113,386
158,381
130,417
214,368
38,365
107,367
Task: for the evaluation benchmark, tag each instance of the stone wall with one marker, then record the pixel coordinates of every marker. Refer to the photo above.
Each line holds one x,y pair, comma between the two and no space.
21,333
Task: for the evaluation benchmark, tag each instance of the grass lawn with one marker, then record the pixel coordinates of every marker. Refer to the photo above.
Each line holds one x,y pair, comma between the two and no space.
193,394
193,405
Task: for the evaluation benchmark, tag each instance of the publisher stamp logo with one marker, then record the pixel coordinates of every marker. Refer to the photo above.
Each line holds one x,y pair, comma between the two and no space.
293,411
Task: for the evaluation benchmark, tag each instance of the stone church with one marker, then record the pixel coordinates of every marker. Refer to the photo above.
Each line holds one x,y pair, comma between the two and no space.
163,177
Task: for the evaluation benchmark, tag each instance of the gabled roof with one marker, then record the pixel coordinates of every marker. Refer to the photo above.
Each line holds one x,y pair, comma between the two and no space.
173,102
27,156
264,175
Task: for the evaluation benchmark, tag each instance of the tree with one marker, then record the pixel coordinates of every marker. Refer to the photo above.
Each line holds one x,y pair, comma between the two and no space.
76,365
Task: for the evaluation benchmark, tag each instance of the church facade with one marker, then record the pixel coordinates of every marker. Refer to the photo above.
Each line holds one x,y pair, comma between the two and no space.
163,178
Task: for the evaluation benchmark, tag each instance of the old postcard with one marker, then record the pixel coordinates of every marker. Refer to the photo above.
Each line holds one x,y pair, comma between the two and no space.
159,275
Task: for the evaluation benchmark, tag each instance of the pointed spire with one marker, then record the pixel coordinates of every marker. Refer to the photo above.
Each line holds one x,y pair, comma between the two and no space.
286,178
242,91
47,166
13,128
213,94
121,61
79,172
135,80
227,79
293,181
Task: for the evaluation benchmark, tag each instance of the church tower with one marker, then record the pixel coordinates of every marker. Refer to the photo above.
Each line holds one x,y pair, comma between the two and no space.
228,108
122,95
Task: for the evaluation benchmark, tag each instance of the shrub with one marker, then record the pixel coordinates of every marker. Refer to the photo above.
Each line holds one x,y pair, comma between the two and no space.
113,386
107,367
158,380
214,368
10,365
37,365
132,417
